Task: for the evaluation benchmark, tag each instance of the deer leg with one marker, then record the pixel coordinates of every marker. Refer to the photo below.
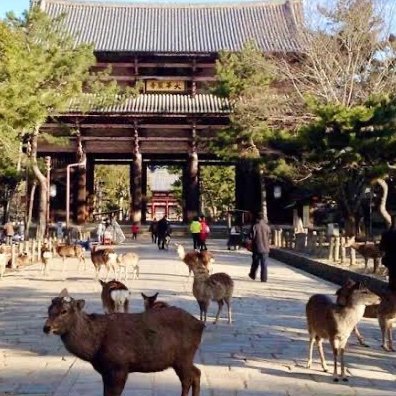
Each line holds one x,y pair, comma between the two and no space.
390,336
343,375
322,356
375,265
382,324
359,337
310,350
220,303
335,356
228,302
196,381
114,382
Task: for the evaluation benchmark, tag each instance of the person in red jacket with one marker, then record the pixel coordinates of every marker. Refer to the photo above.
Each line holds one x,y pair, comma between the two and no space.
135,230
204,233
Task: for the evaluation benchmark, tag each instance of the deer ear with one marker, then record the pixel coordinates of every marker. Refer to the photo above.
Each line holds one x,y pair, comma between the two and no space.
64,293
80,304
101,282
144,296
155,295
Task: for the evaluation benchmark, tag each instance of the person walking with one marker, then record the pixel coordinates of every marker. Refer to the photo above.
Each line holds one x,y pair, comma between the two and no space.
135,230
9,232
388,246
260,235
204,233
153,229
162,232
195,229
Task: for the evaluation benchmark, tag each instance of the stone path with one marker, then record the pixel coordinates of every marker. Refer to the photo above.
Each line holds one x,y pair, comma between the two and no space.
262,353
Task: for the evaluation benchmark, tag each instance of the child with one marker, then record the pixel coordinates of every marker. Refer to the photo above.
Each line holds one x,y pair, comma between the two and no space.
135,230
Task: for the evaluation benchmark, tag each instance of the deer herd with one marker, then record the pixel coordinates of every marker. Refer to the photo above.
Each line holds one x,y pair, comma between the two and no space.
163,336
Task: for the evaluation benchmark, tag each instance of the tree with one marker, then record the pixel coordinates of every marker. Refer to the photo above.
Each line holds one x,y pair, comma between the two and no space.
42,70
345,79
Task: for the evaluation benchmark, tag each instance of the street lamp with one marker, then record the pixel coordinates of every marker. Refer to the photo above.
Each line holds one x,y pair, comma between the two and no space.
277,192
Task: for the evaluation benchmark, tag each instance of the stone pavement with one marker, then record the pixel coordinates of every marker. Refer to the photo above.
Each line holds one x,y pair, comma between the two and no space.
262,353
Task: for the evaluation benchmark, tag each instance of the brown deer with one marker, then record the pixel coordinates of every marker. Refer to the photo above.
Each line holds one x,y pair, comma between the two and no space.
114,297
119,344
327,320
217,287
126,261
45,256
368,251
65,251
150,302
193,258
385,311
103,258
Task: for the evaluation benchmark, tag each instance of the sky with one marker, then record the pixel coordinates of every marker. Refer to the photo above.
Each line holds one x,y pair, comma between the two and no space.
18,6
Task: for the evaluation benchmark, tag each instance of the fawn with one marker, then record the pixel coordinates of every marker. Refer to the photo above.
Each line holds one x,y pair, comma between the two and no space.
217,287
150,302
327,320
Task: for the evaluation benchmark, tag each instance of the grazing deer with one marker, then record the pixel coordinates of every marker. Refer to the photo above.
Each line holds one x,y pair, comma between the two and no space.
368,251
22,259
114,297
103,258
217,287
119,344
150,302
327,320
65,251
193,258
126,261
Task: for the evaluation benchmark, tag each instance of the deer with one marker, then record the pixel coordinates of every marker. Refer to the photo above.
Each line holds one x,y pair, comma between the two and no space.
385,312
218,287
114,297
368,251
65,251
123,343
126,260
103,257
45,256
193,258
150,302
328,320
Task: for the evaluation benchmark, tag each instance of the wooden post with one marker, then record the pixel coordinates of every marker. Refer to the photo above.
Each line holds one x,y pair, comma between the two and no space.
331,248
343,250
13,255
33,251
136,181
336,248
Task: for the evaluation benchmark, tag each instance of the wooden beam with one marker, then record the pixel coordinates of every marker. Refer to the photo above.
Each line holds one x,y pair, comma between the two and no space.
154,64
128,126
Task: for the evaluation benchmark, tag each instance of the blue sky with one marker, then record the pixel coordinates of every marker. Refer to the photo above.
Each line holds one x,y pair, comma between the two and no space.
20,5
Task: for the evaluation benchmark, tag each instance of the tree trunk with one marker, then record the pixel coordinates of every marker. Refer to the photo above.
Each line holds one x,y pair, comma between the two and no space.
350,225
42,180
382,207
30,209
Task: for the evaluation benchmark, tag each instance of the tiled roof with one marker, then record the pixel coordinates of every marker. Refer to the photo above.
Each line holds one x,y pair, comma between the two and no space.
185,28
165,104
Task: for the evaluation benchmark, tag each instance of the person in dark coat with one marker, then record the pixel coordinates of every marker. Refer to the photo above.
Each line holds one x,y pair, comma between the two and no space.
163,228
388,246
260,235
153,230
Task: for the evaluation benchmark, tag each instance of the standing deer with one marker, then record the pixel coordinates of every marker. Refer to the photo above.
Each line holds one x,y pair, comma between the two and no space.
126,261
103,258
217,287
193,258
368,251
119,344
65,251
114,297
327,320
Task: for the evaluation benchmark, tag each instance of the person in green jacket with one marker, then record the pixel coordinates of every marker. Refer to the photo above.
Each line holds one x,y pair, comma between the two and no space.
195,229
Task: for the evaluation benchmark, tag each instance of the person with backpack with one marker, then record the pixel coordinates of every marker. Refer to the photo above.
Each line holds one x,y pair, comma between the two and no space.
195,229
204,233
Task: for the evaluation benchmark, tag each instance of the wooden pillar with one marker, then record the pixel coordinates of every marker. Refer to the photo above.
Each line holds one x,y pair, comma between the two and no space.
144,192
81,172
136,182
191,182
90,174
248,194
